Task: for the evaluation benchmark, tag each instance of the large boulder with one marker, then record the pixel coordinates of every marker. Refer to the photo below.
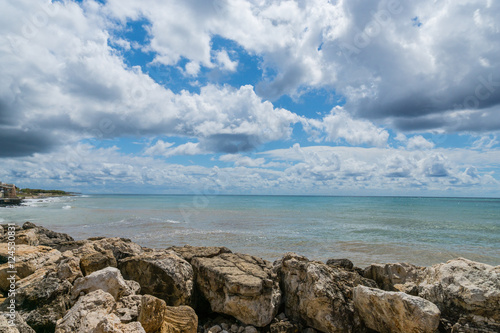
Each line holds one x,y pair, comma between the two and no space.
37,235
319,295
42,298
391,276
87,313
28,258
95,261
108,279
395,312
239,285
465,291
162,274
156,317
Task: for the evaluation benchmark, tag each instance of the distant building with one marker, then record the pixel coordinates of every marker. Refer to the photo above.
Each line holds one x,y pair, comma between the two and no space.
7,191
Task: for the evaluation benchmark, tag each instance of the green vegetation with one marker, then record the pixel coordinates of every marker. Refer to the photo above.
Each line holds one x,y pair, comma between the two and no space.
31,191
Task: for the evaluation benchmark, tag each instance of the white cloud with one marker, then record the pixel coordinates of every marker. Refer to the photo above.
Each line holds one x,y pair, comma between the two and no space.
159,148
418,142
339,125
225,62
240,160
75,86
385,64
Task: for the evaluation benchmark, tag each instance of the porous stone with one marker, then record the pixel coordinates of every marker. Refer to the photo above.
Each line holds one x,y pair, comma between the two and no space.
87,313
463,290
108,279
239,285
395,312
318,295
156,317
162,274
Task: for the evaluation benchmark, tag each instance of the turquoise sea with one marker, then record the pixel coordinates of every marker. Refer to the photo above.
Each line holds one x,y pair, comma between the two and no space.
422,231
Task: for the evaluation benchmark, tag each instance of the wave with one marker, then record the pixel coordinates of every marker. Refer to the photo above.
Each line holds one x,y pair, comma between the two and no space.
67,207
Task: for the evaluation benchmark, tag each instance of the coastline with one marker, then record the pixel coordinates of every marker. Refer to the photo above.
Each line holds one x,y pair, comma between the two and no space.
212,289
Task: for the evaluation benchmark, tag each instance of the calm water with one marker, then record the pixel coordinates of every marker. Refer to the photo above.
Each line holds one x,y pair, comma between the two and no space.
423,231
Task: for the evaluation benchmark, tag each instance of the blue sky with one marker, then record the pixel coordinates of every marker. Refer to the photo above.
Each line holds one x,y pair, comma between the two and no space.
252,97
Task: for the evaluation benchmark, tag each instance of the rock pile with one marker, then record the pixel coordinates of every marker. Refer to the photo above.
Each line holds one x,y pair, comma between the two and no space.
114,285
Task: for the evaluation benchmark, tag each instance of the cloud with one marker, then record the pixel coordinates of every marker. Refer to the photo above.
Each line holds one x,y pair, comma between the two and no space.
418,142
224,62
76,86
411,64
338,125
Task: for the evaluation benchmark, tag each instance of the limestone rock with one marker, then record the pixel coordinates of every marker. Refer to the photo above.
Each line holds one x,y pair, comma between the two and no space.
20,324
395,312
239,285
162,274
156,317
28,260
464,290
390,276
188,252
108,279
464,286
87,313
127,308
344,263
5,327
96,261
37,235
112,324
42,298
69,268
318,295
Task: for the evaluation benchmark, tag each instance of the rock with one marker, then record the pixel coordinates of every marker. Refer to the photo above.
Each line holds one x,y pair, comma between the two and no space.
37,235
108,279
20,324
215,329
188,252
120,247
156,317
112,324
250,329
318,295
42,298
162,274
284,327
87,313
344,263
463,290
29,259
69,269
390,276
395,312
96,261
5,327
239,285
127,308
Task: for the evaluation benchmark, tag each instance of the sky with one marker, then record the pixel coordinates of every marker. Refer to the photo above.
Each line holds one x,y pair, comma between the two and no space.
316,97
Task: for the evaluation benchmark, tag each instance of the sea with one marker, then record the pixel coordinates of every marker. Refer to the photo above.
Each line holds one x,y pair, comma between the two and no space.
420,230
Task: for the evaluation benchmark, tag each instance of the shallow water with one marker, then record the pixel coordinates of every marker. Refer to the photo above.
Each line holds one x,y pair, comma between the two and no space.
422,231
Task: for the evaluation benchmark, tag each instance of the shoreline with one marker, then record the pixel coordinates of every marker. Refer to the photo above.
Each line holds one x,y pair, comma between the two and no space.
214,290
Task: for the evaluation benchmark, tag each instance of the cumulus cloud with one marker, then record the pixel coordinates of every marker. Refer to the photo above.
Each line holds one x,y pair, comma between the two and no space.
418,142
339,125
76,86
390,59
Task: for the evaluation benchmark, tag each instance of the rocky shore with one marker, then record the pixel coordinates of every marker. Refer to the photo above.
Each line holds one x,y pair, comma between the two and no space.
114,285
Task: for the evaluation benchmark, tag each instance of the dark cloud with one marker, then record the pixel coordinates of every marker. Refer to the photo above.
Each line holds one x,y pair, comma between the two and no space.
16,143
